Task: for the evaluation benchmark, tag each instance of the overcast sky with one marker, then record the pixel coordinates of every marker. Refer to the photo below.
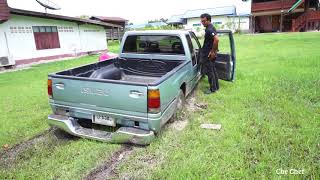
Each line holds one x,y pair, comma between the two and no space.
136,11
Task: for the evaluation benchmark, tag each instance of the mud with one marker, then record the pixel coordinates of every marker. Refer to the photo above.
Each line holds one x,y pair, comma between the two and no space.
52,135
191,106
107,169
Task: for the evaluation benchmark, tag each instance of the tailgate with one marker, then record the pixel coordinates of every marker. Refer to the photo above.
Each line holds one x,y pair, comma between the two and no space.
111,95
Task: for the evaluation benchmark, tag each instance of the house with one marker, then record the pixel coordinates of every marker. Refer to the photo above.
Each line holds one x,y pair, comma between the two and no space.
284,15
222,17
28,36
177,20
113,33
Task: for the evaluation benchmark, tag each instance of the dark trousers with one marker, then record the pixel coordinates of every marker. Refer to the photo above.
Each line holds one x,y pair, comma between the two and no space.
209,69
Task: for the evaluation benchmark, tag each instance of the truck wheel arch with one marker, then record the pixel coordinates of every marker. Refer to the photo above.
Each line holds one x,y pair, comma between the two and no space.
183,87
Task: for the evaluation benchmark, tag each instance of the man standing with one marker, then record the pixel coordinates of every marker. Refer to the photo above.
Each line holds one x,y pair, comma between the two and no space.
209,53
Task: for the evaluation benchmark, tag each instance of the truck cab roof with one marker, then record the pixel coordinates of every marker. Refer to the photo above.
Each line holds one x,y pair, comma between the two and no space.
158,32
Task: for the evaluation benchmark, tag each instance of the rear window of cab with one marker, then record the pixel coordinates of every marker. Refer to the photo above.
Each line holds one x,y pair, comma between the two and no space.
153,44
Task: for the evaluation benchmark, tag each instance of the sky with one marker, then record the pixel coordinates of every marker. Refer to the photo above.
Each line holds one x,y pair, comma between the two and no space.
136,11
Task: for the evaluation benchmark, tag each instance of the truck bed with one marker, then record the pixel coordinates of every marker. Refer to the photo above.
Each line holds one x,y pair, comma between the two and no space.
125,70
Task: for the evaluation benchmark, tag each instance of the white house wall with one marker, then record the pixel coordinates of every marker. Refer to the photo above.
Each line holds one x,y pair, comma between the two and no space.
93,37
73,38
215,19
221,21
244,23
3,45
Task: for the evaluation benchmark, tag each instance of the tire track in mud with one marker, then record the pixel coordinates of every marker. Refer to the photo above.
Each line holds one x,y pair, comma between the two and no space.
8,156
107,169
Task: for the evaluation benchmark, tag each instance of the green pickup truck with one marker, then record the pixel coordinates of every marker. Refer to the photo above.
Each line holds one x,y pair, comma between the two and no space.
129,98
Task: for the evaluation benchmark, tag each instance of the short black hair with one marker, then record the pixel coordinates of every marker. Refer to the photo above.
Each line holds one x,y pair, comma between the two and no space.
206,15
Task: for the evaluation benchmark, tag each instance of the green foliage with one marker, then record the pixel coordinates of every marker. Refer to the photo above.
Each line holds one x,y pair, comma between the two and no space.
158,20
167,27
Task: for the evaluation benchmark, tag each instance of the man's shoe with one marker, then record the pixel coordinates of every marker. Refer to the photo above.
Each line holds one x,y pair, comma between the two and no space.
208,91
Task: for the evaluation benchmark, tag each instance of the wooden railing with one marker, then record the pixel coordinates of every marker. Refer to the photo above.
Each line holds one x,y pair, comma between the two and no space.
302,20
272,5
114,34
313,15
298,22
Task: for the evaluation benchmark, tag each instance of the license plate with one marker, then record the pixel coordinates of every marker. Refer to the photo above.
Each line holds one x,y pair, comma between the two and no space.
103,120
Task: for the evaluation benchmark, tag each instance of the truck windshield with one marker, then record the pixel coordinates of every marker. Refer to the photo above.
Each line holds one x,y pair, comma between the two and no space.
153,44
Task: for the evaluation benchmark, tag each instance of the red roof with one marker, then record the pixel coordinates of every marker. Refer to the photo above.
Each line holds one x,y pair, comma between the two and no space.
4,11
59,17
104,18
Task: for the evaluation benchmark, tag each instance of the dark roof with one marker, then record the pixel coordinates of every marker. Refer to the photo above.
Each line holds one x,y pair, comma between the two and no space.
59,17
4,11
104,18
218,11
175,19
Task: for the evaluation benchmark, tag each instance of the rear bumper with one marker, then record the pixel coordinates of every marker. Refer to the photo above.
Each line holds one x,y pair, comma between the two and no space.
122,135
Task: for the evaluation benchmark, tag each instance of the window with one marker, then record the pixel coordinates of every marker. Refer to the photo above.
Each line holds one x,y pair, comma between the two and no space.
196,25
153,44
194,41
46,37
193,55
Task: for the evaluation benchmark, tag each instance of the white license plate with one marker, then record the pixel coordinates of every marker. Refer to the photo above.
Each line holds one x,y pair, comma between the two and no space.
103,120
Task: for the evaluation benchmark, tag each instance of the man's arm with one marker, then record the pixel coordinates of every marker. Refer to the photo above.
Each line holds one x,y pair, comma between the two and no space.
215,46
213,52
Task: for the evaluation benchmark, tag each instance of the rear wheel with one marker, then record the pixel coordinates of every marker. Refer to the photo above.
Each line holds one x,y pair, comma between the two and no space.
181,101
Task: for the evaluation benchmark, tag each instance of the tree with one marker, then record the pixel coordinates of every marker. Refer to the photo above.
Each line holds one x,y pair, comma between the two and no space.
158,20
84,17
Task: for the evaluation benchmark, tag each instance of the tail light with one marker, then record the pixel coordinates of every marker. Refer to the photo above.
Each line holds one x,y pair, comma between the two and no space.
154,101
50,88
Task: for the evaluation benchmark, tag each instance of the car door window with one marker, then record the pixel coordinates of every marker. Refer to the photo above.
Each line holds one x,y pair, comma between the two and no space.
196,46
195,42
192,51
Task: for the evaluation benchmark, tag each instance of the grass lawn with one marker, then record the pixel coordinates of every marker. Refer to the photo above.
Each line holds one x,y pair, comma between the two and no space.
270,120
23,114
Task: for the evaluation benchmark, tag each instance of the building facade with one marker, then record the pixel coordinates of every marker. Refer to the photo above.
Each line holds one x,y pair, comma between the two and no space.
225,18
284,15
27,36
113,33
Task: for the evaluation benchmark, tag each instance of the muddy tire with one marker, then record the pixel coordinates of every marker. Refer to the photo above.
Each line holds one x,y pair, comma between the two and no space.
179,108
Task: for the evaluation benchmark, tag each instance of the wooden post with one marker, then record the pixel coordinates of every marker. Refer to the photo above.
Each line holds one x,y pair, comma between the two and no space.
254,24
306,8
118,33
239,28
111,33
281,20
271,23
281,16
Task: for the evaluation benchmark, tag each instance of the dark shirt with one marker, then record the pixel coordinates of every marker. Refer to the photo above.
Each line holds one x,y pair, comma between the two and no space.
210,32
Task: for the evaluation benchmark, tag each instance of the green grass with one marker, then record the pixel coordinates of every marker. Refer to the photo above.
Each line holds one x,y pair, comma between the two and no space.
113,46
23,114
269,115
58,158
24,100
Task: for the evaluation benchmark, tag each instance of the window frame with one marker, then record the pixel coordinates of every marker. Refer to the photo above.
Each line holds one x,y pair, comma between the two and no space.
138,39
46,37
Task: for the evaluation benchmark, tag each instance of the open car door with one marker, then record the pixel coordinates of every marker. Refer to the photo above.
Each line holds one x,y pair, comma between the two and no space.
226,57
